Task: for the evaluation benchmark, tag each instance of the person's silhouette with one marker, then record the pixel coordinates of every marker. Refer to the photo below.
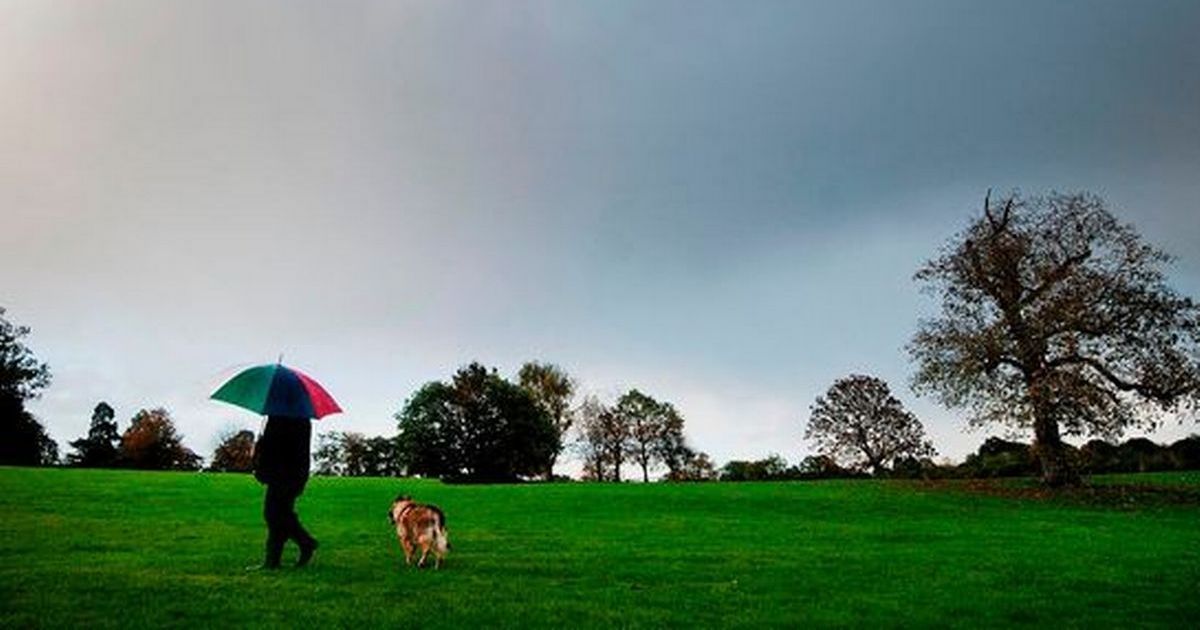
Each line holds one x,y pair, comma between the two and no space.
281,462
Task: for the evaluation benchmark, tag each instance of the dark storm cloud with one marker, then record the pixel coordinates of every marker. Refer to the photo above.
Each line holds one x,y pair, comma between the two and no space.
722,202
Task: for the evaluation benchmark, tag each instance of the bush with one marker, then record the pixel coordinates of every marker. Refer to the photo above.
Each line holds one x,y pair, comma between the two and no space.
1185,454
1001,458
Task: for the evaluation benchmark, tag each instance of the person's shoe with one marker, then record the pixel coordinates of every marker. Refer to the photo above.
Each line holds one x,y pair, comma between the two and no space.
262,567
306,553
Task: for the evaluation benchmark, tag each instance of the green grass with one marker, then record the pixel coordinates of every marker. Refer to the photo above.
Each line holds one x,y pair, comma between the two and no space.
118,548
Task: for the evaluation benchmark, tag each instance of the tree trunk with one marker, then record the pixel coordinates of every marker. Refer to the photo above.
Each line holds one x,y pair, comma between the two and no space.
645,474
1057,471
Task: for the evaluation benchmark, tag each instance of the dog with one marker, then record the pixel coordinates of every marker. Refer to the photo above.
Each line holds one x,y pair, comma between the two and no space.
420,525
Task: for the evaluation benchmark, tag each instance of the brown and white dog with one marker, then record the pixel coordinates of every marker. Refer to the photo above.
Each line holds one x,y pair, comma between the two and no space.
419,525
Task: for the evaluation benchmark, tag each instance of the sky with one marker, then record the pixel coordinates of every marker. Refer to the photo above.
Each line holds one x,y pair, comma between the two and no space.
719,203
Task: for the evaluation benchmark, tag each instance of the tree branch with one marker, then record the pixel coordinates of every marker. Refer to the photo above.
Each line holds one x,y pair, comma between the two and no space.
1149,391
1057,275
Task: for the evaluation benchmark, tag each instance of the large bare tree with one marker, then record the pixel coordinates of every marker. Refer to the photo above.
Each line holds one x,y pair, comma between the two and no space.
861,425
1056,317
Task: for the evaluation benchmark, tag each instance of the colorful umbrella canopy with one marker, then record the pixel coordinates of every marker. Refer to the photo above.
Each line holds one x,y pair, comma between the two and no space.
277,390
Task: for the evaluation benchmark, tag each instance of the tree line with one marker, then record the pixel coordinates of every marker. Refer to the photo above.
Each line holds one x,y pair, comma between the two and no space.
479,426
1054,318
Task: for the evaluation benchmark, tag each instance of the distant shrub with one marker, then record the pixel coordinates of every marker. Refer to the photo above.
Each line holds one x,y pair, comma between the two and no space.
772,468
997,457
823,467
1185,454
923,468
1001,458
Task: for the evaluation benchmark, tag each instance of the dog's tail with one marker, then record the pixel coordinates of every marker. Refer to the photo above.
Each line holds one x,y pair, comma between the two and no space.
441,526
440,541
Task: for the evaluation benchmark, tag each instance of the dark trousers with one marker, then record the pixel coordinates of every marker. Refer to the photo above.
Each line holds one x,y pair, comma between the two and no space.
279,510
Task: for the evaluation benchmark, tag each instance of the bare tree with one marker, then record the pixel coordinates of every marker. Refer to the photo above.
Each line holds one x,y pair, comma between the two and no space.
860,424
1056,317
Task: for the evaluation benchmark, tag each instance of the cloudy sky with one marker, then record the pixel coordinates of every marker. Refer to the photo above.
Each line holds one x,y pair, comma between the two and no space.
721,203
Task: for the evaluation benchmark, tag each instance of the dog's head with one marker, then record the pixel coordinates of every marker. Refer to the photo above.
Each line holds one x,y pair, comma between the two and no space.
400,501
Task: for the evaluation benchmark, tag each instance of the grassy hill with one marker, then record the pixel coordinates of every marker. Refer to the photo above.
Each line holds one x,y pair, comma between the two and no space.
122,548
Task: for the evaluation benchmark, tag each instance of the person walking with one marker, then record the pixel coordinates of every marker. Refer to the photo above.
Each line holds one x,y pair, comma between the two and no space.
282,454
281,463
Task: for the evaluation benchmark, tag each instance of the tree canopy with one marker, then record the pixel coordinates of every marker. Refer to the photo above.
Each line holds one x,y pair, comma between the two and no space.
23,440
97,449
235,453
654,431
1056,317
552,388
859,424
152,443
602,439
477,427
351,454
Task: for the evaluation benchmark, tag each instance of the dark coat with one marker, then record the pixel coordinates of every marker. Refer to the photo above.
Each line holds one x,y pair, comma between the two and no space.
282,455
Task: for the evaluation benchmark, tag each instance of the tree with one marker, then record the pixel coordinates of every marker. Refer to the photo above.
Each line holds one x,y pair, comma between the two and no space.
1142,455
552,389
98,449
478,427
152,443
1186,453
235,453
328,454
353,454
772,468
1056,317
23,440
672,448
861,425
1098,456
603,438
821,467
655,430
998,457
692,466
381,458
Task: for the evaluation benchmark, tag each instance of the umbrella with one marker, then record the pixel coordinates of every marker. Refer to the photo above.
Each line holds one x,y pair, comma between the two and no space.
277,390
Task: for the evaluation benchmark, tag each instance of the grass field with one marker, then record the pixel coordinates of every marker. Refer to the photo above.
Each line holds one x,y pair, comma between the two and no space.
118,548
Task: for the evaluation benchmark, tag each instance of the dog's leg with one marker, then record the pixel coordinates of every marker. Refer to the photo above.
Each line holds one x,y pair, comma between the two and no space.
408,550
439,548
424,551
